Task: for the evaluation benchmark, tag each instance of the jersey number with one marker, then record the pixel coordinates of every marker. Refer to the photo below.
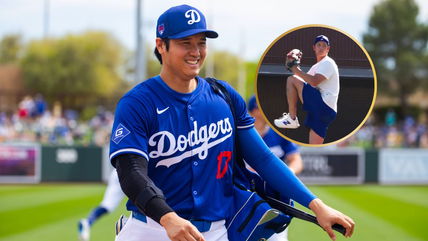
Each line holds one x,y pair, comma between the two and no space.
224,154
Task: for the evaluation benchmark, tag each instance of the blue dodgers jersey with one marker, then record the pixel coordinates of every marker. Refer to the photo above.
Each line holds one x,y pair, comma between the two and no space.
187,140
281,147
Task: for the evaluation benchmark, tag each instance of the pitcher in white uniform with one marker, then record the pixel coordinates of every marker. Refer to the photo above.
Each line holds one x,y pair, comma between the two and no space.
318,90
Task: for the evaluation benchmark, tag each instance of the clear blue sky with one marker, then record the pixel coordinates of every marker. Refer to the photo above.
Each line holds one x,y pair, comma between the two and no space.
245,27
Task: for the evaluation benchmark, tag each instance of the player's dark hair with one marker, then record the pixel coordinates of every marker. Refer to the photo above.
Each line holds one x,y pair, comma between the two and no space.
157,54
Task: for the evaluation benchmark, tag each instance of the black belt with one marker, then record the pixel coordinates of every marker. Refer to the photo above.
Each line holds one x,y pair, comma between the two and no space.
201,225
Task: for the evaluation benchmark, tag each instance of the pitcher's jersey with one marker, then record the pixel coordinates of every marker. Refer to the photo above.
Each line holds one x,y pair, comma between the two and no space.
330,87
187,140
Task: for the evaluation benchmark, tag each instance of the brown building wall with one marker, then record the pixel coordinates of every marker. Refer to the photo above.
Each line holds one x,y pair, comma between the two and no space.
343,50
11,87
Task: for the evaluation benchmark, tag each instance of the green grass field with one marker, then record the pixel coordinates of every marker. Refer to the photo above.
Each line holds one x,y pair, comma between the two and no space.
50,212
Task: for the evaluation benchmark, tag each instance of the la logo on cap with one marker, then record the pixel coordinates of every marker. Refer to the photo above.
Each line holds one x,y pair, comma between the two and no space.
193,15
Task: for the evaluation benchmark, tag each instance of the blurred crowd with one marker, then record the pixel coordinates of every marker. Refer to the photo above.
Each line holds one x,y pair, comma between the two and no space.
35,122
391,133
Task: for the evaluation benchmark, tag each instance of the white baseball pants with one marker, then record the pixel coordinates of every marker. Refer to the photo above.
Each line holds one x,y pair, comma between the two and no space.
136,230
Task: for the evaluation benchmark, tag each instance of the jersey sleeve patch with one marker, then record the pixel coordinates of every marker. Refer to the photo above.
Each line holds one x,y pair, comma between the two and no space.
120,133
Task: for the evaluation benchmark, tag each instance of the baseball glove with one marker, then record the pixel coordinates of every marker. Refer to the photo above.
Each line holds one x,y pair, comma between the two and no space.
293,58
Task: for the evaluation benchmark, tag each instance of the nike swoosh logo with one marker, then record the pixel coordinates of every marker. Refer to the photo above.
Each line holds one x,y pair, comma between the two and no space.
161,111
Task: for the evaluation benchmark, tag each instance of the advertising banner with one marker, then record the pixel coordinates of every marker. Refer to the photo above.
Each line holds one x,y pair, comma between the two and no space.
72,164
19,163
403,166
332,165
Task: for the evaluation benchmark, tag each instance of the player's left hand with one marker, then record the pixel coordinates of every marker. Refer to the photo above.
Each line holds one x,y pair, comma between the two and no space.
328,216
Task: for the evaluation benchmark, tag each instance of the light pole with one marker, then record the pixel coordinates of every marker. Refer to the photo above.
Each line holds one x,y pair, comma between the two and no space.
140,60
46,20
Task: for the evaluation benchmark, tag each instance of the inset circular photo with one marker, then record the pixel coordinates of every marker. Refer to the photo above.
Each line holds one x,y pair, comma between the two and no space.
316,85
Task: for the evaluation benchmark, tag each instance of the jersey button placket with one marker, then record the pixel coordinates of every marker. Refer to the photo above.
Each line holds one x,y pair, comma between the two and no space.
190,118
196,171
194,161
189,111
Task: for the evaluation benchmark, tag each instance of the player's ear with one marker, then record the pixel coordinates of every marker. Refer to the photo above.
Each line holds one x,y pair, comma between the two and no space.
160,45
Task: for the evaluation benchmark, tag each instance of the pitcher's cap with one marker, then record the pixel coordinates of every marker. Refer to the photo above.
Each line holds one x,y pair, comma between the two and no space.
322,38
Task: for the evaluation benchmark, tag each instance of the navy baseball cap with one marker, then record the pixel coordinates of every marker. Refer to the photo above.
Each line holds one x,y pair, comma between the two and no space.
322,38
182,21
252,103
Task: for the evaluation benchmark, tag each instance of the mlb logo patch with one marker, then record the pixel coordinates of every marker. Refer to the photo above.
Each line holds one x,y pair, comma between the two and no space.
120,133
161,29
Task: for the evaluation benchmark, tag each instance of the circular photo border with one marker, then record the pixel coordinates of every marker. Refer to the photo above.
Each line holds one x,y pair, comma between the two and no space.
283,54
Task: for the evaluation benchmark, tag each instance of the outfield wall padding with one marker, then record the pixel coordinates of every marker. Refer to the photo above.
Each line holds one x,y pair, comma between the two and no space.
372,166
71,164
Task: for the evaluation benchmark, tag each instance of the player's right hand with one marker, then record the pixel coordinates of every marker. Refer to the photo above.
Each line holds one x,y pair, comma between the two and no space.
293,58
295,54
328,216
179,229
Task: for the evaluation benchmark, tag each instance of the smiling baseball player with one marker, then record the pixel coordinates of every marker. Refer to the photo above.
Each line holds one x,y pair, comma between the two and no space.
173,140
